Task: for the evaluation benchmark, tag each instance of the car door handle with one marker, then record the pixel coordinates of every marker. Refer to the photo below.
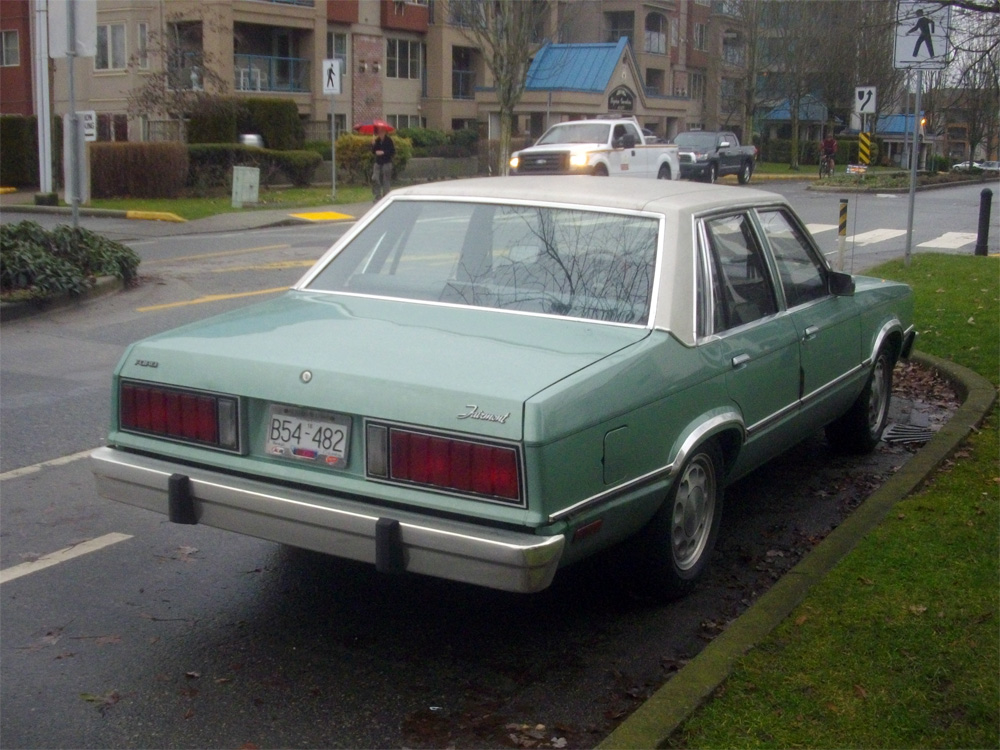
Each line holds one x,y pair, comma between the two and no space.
810,333
740,359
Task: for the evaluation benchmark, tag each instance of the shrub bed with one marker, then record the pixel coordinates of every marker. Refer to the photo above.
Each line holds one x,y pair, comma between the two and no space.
36,263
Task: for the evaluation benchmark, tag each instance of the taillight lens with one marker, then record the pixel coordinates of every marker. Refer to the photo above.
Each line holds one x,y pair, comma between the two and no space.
188,416
442,462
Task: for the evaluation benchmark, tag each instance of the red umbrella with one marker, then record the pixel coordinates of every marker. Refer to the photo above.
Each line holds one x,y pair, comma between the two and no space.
368,128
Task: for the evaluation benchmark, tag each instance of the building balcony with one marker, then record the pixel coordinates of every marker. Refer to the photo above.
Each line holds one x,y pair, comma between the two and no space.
267,73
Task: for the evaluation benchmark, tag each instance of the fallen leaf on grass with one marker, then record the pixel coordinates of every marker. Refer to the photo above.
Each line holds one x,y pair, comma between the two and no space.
917,609
860,691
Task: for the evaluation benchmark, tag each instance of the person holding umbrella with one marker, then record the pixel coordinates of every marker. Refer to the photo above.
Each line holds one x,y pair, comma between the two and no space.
384,149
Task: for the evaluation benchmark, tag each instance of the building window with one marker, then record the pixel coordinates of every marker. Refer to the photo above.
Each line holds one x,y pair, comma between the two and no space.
656,34
11,49
654,81
620,24
697,83
700,37
463,76
110,47
142,41
402,59
405,121
336,49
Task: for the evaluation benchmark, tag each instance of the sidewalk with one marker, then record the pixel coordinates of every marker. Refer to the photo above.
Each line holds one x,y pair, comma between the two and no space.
167,224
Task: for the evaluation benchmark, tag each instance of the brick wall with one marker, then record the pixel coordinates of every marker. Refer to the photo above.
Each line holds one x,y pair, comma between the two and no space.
366,103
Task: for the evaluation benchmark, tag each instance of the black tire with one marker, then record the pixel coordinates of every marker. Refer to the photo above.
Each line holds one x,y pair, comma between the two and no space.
664,173
713,172
674,549
746,171
860,429
600,171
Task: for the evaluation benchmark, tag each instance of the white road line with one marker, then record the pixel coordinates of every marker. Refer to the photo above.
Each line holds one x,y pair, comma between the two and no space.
876,235
951,240
47,561
817,228
15,473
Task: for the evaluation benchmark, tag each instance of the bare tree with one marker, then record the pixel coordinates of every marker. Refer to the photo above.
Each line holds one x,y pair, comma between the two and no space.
505,32
178,75
976,74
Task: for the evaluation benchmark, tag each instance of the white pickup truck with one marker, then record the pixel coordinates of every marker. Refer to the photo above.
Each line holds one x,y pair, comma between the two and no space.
598,147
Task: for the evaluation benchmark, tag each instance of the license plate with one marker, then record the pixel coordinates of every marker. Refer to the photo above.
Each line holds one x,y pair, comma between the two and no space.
307,435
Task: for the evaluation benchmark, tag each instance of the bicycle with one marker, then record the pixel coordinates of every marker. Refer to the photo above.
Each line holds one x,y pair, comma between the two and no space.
826,166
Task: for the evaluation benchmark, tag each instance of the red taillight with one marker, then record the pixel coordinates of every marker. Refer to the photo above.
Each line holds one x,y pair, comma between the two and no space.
448,463
179,415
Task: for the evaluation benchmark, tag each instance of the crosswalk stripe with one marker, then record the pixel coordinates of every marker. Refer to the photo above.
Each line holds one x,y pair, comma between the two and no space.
876,235
951,240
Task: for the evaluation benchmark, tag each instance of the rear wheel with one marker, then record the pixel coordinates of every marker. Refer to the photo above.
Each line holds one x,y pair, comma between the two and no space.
860,429
664,173
674,549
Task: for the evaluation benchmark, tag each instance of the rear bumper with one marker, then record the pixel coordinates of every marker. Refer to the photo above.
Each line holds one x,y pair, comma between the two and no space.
394,541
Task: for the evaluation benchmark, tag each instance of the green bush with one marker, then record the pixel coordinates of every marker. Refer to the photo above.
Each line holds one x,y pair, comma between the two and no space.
320,147
138,170
355,158
222,119
215,119
424,140
211,164
44,263
19,150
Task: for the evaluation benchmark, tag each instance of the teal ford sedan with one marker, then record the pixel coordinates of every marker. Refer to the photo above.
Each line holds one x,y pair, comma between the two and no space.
487,380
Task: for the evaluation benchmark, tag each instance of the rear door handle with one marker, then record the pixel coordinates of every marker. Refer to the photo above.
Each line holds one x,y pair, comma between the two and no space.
810,333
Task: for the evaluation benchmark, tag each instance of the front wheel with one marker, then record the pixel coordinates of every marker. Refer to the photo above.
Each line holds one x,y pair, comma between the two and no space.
673,551
745,172
860,429
713,172
600,171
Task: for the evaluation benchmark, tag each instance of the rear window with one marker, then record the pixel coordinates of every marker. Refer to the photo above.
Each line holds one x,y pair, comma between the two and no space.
554,261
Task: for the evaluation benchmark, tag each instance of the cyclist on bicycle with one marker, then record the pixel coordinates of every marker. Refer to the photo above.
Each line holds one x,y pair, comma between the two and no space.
828,149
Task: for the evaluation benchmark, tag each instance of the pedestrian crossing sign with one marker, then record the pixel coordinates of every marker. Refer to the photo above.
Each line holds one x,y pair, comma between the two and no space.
922,35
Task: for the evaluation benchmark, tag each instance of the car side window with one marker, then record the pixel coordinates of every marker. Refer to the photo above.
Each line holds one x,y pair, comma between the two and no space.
802,273
741,288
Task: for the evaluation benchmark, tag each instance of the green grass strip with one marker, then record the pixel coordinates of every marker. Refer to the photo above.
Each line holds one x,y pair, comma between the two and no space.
898,646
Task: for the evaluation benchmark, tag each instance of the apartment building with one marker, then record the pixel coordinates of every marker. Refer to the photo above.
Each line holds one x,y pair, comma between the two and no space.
409,61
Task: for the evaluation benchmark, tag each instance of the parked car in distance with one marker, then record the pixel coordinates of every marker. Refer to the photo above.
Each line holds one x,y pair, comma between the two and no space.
965,166
990,166
486,380
600,147
707,155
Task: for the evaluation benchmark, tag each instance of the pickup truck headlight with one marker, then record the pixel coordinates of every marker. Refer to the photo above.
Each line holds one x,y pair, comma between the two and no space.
514,162
579,159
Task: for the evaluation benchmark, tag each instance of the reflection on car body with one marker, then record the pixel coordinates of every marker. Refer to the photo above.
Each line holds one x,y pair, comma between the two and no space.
489,379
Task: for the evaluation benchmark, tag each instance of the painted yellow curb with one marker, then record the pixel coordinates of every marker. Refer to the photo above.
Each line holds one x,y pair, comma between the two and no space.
5,190
153,216
323,216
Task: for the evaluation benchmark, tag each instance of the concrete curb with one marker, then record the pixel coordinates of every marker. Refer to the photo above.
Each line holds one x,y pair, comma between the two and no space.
108,213
652,724
18,310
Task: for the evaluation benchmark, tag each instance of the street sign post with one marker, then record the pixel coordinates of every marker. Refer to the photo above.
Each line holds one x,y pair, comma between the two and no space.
331,87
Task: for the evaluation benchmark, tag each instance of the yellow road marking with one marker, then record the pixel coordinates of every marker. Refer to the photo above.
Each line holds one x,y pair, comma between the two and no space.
323,216
276,266
220,254
210,298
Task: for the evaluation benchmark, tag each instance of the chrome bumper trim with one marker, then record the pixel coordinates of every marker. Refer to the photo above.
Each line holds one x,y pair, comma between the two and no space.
455,550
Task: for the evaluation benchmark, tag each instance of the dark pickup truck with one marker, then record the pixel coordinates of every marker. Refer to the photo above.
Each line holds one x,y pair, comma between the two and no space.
706,155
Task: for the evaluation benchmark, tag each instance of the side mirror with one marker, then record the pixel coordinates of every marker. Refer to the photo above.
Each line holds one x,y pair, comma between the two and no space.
841,284
725,144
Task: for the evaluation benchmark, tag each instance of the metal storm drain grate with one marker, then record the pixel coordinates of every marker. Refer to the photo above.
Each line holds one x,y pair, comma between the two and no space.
906,433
